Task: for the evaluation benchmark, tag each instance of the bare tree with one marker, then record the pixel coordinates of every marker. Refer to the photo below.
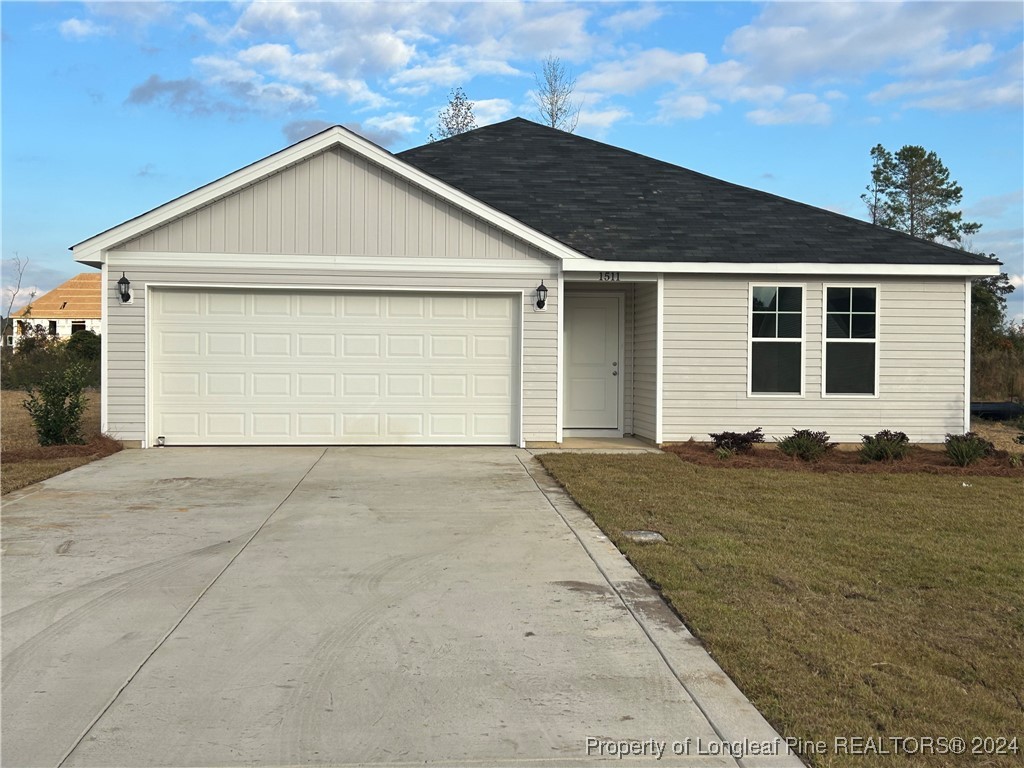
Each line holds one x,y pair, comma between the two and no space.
455,118
555,86
12,292
15,289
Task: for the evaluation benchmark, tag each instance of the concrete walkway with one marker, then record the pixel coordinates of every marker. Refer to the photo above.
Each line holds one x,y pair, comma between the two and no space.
341,606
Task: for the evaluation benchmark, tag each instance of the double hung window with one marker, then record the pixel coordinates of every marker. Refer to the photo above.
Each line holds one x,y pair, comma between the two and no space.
851,340
776,340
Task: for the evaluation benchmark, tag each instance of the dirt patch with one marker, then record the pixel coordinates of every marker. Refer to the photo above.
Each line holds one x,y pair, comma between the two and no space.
927,460
25,461
1002,434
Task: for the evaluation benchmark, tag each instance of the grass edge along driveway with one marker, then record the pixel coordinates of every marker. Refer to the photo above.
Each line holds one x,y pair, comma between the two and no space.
842,605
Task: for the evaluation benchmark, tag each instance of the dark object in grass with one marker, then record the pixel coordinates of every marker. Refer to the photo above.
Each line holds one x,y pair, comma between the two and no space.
1003,411
1019,439
736,442
968,448
885,446
806,444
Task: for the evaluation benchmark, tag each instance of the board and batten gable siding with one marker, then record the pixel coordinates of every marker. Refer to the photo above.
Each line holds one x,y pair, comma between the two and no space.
335,203
921,361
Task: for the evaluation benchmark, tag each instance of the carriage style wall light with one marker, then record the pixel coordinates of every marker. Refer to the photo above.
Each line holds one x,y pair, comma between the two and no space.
542,295
124,289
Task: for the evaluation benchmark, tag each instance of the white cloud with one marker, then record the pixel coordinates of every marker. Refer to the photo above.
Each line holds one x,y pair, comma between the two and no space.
923,44
487,111
600,120
136,14
685,106
730,80
632,20
394,121
939,61
308,70
249,86
1017,281
952,95
643,70
79,29
798,108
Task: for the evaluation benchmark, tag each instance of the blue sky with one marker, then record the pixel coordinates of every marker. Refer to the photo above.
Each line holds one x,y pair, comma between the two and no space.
112,108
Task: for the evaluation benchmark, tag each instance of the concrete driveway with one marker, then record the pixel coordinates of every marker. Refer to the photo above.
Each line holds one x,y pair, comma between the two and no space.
347,606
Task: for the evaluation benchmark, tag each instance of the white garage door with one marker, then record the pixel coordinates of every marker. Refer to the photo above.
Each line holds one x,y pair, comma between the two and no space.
236,367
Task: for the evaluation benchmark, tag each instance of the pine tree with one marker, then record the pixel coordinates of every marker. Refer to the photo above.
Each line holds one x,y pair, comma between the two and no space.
911,191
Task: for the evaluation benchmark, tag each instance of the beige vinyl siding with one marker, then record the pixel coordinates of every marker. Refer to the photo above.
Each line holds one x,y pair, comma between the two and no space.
921,362
333,203
645,366
126,331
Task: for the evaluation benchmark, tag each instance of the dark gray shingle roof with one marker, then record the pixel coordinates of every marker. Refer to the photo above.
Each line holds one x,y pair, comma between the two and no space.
610,203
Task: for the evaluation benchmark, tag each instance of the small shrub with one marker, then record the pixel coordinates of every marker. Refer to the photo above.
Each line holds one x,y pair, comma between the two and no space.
56,406
807,445
884,446
724,453
1016,461
736,442
968,448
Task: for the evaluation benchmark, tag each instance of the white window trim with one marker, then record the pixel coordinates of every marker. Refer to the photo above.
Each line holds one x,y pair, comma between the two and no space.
877,341
750,340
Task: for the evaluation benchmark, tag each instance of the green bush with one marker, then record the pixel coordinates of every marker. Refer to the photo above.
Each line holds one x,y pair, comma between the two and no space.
968,448
736,442
56,406
884,446
807,445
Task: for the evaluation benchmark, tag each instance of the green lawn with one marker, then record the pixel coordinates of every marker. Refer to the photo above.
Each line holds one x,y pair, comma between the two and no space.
841,604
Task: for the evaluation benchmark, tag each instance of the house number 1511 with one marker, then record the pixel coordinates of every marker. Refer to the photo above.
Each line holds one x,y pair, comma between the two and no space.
608,277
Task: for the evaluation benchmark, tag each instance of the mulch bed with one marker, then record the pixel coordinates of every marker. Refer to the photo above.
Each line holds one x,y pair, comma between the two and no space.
919,459
98,447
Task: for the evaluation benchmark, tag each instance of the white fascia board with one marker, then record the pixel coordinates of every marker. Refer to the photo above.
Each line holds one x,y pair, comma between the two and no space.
91,251
291,263
789,268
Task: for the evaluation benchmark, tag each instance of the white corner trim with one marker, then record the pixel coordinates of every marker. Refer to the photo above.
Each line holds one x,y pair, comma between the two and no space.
104,356
560,360
659,365
93,248
967,355
792,269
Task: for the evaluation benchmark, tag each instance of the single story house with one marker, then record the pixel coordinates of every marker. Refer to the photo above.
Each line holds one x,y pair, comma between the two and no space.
74,305
517,285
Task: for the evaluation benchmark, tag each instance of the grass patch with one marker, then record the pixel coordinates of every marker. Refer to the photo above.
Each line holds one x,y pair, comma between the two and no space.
841,604
23,461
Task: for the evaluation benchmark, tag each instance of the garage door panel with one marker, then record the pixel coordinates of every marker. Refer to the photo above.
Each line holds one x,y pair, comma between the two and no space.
334,368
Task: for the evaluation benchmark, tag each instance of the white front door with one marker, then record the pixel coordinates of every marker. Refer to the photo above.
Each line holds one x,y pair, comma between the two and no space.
593,371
